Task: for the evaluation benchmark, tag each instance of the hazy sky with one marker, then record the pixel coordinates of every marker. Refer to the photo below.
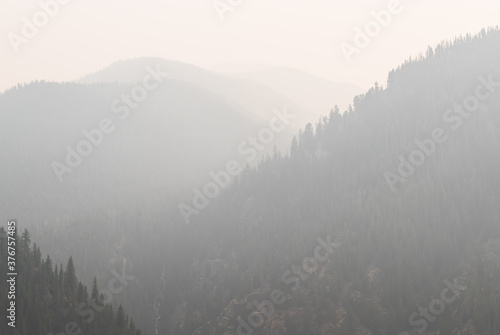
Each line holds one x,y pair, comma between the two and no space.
85,36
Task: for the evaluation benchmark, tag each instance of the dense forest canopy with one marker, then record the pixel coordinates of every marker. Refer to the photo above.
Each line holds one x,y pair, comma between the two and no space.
402,190
49,299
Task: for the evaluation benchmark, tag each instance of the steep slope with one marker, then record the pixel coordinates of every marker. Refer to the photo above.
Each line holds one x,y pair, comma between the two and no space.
81,155
168,144
407,185
403,234
43,299
176,136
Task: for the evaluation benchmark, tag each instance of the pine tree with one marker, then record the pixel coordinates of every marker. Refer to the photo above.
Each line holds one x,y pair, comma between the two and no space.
61,276
70,280
26,240
95,289
120,318
41,300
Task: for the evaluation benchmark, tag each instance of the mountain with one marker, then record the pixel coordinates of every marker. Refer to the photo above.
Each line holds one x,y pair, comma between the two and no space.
44,299
80,153
76,157
255,101
177,135
315,94
381,220
256,91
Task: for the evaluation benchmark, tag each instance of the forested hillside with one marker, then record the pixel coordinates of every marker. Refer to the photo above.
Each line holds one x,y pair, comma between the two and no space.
382,219
400,245
49,299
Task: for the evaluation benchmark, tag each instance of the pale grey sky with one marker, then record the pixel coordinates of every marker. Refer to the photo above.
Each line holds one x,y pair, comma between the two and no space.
85,36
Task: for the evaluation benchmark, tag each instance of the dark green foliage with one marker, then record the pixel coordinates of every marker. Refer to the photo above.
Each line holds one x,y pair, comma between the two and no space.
47,299
70,280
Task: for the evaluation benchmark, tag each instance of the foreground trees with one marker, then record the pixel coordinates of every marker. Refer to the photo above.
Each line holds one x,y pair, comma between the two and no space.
51,300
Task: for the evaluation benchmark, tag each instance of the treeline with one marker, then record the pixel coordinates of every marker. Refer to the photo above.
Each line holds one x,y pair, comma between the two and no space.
397,247
49,299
